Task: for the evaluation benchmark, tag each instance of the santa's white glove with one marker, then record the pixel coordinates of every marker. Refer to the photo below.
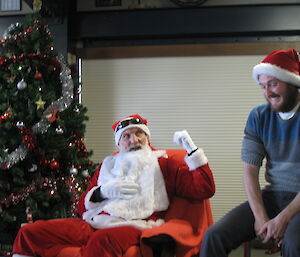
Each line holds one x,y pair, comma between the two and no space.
119,189
183,138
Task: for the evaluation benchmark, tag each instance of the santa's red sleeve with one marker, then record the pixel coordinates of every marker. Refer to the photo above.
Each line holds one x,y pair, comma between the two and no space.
194,181
93,182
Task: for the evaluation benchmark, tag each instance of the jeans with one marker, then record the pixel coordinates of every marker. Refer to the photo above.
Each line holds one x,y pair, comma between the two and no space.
237,226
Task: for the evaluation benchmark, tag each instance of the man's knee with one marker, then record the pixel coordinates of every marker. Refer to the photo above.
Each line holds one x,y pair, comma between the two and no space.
213,233
291,246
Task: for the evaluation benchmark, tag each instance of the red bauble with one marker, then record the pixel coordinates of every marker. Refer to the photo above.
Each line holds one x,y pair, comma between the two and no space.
4,117
54,164
38,75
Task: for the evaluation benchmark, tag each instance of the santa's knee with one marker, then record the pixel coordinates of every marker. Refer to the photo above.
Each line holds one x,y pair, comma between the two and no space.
27,229
102,243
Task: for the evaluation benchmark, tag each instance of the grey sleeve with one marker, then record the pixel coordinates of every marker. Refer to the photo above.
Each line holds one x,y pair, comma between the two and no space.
253,151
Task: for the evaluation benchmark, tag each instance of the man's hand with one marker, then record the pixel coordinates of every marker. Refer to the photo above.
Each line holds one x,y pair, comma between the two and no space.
258,227
119,189
273,229
183,138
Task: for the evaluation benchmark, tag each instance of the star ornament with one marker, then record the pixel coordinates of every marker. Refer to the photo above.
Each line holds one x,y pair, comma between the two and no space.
40,104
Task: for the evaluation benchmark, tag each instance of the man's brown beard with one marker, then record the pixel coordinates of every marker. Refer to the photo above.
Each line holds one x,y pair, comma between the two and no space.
289,100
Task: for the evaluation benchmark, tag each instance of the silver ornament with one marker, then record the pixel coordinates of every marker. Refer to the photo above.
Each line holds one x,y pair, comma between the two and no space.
59,130
73,171
33,168
20,124
21,85
85,173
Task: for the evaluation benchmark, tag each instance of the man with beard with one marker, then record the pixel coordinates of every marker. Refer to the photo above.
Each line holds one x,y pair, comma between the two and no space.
129,192
272,132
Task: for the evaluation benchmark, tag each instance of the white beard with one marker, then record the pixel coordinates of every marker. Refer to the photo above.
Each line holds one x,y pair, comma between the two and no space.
141,167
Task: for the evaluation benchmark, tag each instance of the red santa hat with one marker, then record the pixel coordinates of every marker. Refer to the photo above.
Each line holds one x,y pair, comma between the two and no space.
281,64
132,121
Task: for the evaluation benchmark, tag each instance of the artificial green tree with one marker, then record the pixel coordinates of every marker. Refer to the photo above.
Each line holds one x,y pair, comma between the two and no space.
44,164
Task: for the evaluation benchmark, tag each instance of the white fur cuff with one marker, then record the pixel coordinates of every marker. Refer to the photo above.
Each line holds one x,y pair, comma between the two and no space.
20,255
196,159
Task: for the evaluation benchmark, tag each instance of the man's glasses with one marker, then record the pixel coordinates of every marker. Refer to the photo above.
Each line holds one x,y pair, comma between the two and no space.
125,123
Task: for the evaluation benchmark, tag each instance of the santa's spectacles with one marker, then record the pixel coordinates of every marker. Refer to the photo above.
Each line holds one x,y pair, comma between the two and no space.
125,123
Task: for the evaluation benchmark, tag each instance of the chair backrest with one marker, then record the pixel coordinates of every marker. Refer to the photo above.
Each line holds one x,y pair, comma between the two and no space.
177,154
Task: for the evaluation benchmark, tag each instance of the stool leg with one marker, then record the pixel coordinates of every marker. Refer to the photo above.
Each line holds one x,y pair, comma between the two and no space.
247,249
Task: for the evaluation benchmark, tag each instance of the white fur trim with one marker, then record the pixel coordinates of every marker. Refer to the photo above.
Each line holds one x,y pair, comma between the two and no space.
141,167
276,72
160,153
20,255
120,131
196,160
88,204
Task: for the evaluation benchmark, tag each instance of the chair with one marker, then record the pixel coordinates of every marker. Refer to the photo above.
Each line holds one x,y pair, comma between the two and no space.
191,219
270,248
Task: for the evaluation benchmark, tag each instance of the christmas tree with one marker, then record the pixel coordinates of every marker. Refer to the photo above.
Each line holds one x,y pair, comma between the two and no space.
44,164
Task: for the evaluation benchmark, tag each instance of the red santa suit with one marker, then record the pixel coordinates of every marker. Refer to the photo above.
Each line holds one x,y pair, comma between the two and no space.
47,238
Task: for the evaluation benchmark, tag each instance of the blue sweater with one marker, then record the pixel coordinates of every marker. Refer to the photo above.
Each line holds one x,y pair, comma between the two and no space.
267,135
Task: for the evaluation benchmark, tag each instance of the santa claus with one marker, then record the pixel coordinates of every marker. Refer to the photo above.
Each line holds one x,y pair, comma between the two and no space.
130,191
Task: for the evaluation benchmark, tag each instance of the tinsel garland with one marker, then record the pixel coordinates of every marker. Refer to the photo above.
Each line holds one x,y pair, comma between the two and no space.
75,190
42,126
8,34
15,198
71,183
5,61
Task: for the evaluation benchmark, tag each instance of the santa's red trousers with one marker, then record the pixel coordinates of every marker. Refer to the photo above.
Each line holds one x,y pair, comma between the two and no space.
47,238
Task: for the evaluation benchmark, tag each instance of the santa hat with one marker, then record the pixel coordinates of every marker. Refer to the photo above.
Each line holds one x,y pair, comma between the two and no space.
132,121
281,64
